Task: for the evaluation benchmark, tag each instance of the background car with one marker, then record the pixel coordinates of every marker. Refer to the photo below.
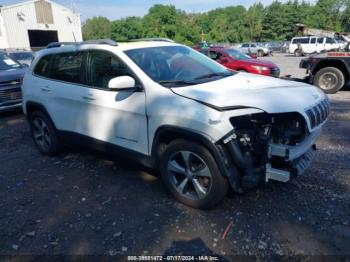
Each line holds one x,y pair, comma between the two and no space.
11,75
236,60
312,44
201,46
285,47
274,46
259,49
22,56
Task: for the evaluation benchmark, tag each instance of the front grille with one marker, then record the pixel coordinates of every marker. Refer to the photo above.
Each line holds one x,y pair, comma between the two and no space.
10,94
10,83
275,72
318,113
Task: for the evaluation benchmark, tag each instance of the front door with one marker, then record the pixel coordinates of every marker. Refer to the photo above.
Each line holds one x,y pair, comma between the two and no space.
312,46
116,117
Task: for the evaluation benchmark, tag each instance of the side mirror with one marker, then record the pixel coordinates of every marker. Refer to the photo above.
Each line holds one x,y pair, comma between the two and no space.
122,83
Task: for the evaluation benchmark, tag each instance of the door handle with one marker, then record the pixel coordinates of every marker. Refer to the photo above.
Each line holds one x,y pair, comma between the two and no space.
46,89
88,98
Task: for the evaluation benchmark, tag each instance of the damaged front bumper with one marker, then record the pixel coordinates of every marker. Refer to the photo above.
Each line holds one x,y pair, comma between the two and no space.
299,165
298,157
282,161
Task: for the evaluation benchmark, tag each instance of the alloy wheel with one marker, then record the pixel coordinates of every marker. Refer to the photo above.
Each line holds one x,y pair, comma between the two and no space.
41,134
189,175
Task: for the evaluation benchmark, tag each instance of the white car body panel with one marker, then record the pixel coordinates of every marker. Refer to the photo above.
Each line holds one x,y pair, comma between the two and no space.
131,120
271,95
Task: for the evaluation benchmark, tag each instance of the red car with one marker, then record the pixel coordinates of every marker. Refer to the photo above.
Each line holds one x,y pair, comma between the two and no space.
236,60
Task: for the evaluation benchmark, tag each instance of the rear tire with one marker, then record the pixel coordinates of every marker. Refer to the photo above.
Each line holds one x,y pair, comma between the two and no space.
329,79
44,133
191,174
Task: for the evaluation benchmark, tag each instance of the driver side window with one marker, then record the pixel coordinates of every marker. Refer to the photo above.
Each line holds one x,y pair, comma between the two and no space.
104,66
215,55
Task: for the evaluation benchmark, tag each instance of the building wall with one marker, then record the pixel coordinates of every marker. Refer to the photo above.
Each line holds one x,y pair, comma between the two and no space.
20,18
3,37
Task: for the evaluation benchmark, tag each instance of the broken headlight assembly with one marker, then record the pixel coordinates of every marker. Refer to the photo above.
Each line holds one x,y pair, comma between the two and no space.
249,144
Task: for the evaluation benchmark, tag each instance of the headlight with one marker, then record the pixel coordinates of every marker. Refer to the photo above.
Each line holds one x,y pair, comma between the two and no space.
260,68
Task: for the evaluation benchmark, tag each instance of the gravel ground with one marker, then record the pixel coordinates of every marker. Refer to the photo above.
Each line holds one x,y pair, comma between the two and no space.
289,64
81,203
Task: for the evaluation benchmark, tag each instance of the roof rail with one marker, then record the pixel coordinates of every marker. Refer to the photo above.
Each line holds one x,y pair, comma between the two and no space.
155,39
89,42
59,44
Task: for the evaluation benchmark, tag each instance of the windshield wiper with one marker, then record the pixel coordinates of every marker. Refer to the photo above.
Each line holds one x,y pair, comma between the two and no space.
176,82
212,75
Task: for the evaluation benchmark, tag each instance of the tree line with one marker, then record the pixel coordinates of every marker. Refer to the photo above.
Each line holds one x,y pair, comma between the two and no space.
230,24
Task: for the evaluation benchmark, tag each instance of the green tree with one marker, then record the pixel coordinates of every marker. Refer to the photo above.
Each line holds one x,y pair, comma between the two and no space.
128,28
230,24
346,18
327,14
160,21
96,28
253,22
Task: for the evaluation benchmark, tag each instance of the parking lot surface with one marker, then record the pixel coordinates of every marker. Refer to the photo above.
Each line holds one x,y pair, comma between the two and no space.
81,203
288,63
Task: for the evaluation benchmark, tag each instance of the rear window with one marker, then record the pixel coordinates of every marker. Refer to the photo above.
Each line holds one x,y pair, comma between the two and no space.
42,67
67,67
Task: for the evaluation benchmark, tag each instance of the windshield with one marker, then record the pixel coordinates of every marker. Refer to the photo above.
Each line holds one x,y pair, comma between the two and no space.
22,55
7,63
237,54
177,65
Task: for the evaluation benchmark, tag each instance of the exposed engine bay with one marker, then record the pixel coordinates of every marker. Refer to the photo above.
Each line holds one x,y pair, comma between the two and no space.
270,146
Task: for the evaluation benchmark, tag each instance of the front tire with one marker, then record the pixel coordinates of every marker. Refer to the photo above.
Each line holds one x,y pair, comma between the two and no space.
261,53
298,53
329,79
191,175
44,133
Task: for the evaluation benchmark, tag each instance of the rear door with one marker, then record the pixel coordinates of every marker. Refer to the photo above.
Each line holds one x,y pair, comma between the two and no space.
56,85
253,49
63,90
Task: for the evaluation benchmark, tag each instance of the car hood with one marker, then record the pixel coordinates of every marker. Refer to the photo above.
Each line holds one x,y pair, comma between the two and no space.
254,91
258,62
8,75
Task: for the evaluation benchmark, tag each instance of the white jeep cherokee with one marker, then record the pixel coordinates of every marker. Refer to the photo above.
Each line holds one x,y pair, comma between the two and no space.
205,128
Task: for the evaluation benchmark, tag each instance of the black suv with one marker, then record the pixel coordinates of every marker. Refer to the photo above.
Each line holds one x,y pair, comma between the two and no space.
11,75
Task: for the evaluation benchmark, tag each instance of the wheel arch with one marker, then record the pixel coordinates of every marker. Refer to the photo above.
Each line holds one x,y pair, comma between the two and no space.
166,134
34,106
